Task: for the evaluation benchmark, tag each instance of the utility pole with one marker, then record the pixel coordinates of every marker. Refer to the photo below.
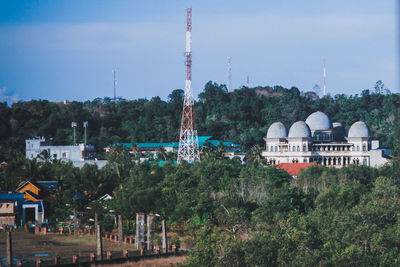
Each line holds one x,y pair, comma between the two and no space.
85,125
73,125
324,62
188,140
114,71
228,84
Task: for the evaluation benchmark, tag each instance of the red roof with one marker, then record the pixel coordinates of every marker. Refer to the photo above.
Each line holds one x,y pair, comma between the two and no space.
294,168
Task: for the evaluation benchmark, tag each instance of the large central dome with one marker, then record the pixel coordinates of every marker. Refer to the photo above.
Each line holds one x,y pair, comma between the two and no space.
319,121
299,129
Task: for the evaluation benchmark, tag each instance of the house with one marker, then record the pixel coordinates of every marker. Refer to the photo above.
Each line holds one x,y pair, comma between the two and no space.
15,208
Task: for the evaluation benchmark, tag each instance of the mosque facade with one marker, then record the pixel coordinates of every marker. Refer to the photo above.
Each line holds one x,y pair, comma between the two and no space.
320,141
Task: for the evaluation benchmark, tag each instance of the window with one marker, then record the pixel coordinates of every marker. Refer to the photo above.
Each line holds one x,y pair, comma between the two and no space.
64,155
298,148
304,160
353,148
266,148
304,148
276,149
364,148
365,162
358,148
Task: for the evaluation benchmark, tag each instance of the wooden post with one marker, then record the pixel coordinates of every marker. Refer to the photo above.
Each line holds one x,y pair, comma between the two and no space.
120,237
164,237
75,259
9,249
99,243
57,260
92,257
75,222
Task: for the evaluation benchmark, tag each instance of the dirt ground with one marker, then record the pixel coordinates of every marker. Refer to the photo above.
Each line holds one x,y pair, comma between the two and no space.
29,247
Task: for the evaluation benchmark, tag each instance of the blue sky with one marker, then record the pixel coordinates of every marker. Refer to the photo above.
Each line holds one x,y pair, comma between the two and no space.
62,49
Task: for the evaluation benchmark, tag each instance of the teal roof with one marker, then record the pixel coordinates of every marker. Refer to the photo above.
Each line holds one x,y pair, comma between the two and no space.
148,145
202,140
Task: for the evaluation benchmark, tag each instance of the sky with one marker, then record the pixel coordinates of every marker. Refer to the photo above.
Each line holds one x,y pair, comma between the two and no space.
66,50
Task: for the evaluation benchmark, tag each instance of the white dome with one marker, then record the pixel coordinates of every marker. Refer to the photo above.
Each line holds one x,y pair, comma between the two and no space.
340,132
319,121
277,130
299,129
359,129
336,124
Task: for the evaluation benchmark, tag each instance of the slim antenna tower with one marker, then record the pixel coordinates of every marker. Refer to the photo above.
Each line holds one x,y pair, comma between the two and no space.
228,85
188,140
115,83
324,77
248,81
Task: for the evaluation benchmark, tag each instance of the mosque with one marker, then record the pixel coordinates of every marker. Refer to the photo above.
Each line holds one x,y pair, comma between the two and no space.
318,140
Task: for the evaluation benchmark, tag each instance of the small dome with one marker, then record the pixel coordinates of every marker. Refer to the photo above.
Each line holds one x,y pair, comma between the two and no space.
319,121
277,130
340,131
299,129
359,129
336,124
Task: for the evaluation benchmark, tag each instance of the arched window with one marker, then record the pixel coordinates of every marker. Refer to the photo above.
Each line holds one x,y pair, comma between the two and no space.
304,148
353,148
358,148
276,149
364,148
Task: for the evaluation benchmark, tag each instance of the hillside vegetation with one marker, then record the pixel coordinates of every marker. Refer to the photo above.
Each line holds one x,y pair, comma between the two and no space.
242,116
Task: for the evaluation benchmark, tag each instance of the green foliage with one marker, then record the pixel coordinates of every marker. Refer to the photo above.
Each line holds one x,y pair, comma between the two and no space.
242,116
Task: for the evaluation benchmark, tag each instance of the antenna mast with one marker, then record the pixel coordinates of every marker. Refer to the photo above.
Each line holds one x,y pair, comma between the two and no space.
324,77
188,140
248,81
229,75
115,84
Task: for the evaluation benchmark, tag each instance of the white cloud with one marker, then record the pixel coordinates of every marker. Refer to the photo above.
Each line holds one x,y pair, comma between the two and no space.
8,96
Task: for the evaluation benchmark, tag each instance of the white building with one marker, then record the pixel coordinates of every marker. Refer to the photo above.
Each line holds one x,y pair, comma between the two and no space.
78,154
36,145
321,141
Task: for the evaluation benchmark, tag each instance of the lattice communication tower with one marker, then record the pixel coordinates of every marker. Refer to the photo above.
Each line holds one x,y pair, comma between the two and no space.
188,139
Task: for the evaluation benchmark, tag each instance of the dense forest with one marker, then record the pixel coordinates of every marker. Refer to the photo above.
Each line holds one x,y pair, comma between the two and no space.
242,116
234,214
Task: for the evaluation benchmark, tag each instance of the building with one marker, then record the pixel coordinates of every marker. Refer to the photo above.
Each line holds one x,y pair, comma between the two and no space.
154,148
323,142
78,154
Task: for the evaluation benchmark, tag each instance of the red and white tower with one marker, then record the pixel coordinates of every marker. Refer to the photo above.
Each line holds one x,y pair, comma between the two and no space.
188,140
